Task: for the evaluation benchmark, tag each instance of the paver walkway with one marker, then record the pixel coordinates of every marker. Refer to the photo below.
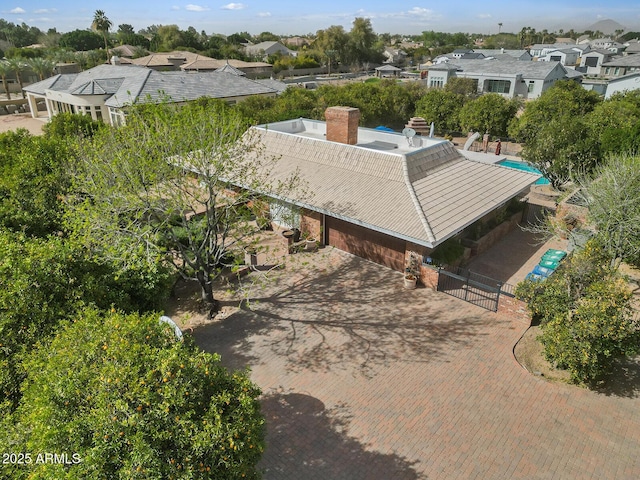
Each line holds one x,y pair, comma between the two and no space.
365,380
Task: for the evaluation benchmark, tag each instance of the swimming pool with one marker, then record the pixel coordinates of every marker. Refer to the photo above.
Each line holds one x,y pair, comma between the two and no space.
525,167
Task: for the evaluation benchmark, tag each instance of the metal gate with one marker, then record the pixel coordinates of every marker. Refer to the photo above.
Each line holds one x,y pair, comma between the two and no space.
470,287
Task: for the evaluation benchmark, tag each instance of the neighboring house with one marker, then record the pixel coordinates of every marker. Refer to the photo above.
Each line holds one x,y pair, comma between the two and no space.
522,55
508,78
125,51
583,39
169,61
105,91
297,42
542,49
460,52
591,62
439,74
377,195
623,84
633,47
621,66
264,49
394,55
472,56
602,43
250,69
567,57
388,71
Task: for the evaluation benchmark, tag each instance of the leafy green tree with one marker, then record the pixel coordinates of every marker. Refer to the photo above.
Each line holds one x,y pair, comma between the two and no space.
81,40
585,315
463,86
611,195
102,24
332,43
616,123
130,401
362,45
32,182
136,187
490,112
555,131
442,108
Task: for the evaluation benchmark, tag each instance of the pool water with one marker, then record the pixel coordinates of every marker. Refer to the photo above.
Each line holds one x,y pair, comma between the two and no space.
525,167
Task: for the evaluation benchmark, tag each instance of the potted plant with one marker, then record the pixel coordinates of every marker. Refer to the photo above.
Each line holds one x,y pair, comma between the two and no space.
311,244
410,281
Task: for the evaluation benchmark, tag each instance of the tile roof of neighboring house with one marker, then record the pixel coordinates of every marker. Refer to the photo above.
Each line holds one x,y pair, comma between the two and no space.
539,70
168,59
489,52
573,74
388,68
231,69
626,61
424,194
264,47
128,84
124,50
205,63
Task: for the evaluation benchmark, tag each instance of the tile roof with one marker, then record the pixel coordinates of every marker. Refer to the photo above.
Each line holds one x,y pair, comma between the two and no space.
513,67
626,61
127,84
424,194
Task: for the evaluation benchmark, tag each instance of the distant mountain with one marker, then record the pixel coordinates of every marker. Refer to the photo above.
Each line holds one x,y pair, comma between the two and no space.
608,27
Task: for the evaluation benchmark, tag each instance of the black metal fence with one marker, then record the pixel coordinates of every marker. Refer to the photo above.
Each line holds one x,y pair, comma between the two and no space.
472,287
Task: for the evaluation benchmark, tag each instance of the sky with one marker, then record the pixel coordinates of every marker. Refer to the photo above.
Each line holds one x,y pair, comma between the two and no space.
299,17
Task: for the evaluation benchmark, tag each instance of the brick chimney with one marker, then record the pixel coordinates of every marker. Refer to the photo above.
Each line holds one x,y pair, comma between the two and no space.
342,124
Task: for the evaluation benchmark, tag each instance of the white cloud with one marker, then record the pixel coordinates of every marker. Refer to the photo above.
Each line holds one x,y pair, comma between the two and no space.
264,14
234,6
196,8
420,11
18,10
484,15
46,10
175,7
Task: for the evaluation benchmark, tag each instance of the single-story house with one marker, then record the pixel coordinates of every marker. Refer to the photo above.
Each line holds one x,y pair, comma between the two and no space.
378,194
509,78
105,91
623,84
388,71
620,66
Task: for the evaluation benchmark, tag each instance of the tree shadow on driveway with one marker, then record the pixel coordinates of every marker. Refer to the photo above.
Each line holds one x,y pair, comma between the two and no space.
307,441
341,312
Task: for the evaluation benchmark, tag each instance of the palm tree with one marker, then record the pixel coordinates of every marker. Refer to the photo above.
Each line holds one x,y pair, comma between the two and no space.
17,65
5,69
102,24
41,66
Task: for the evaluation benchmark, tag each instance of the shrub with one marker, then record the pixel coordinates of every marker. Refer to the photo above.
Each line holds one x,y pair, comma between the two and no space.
130,401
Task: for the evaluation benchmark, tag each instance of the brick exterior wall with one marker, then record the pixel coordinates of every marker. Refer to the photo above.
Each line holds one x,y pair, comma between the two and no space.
342,124
514,308
311,224
363,242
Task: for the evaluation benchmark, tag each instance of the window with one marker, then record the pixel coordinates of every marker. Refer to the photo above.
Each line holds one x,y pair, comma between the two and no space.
556,58
591,61
532,85
498,86
436,82
617,71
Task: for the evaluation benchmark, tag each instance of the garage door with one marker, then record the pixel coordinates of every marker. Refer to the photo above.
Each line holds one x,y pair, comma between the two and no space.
375,246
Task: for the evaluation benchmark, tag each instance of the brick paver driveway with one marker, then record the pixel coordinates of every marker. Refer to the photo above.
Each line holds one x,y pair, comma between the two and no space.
366,380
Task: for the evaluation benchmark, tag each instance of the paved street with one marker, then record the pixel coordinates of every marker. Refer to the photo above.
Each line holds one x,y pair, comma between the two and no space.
365,380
